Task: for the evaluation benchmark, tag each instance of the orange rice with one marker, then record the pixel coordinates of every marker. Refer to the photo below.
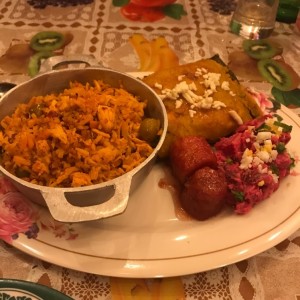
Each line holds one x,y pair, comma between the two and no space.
85,135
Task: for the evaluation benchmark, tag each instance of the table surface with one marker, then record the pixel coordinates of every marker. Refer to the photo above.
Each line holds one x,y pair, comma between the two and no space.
100,29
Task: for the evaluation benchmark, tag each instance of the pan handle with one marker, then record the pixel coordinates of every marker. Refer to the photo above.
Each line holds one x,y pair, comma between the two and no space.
62,210
54,62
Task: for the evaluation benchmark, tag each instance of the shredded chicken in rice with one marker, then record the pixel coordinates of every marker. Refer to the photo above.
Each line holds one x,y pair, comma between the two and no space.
85,135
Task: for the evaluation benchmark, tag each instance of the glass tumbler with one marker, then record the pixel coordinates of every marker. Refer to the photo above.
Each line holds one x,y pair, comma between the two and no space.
254,19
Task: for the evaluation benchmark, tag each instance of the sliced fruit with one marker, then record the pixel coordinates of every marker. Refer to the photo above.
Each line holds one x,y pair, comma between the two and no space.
156,46
35,62
243,66
153,55
143,50
261,49
47,41
279,74
168,58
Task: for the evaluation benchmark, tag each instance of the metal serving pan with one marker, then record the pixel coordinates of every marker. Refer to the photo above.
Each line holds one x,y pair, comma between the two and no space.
96,201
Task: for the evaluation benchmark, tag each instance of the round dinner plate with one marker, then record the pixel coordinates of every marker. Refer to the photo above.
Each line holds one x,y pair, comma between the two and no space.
20,289
150,240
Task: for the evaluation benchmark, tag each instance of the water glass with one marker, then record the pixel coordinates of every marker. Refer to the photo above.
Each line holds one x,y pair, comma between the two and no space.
254,19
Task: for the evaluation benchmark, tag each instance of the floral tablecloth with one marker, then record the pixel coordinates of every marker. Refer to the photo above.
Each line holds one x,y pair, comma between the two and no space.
114,33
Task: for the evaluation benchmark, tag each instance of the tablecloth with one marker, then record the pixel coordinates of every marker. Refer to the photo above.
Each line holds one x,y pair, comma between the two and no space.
191,30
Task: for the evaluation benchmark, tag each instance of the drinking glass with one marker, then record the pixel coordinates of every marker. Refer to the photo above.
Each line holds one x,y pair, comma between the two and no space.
254,19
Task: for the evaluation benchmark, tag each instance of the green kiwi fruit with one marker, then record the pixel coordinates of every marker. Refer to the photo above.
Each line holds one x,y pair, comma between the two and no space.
35,62
279,74
47,41
261,49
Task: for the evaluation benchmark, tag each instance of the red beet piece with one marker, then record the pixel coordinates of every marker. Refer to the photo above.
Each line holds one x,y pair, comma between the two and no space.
203,195
190,153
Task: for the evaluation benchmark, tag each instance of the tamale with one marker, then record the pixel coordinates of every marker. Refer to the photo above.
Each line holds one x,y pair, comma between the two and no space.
203,99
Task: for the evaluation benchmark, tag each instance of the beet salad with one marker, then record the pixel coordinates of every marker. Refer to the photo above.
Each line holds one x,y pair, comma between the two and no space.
254,160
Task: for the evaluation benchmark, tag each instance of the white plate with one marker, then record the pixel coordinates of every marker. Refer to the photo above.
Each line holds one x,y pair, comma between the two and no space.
148,240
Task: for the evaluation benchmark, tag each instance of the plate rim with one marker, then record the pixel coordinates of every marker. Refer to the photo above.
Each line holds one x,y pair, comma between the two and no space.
152,268
160,268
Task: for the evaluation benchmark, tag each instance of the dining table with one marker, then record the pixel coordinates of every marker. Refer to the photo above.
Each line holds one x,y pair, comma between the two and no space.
142,37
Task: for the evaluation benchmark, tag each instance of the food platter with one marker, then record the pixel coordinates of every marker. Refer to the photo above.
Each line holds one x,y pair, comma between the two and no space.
150,239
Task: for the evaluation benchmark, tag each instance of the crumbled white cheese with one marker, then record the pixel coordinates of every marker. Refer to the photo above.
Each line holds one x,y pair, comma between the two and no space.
178,103
262,170
218,104
236,117
263,155
212,80
172,94
263,135
158,85
192,113
274,154
180,77
186,91
257,161
225,86
264,151
200,71
192,86
247,159
162,97
275,177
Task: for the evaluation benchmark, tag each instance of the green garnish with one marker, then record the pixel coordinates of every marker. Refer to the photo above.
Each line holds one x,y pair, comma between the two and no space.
120,3
263,127
280,147
274,169
287,98
279,118
293,163
285,127
238,195
175,11
229,160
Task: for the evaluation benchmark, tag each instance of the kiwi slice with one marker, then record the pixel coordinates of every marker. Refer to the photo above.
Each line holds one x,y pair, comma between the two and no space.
261,49
47,41
279,74
35,62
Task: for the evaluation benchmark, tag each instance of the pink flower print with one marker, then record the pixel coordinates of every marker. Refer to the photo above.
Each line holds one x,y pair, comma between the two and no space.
17,215
262,100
